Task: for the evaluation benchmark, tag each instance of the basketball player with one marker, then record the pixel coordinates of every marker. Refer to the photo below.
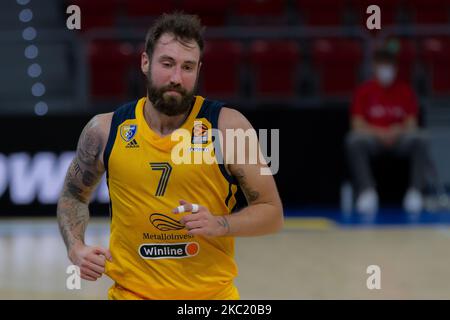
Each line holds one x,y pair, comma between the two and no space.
172,226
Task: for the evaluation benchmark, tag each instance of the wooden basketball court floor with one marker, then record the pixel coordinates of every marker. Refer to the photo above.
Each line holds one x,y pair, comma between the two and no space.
309,259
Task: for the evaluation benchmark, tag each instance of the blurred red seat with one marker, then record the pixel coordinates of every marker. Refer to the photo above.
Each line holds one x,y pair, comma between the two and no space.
211,13
429,11
220,71
337,62
260,7
275,66
407,56
388,8
321,12
110,65
260,11
142,8
96,14
435,53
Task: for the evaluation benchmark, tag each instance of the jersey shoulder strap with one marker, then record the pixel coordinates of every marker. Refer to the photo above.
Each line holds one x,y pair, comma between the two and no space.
211,110
125,112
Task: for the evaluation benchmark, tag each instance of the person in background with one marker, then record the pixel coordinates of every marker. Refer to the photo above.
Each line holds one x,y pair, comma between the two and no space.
384,116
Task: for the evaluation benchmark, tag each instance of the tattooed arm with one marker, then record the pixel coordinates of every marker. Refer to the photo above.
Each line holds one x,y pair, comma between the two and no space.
83,175
264,213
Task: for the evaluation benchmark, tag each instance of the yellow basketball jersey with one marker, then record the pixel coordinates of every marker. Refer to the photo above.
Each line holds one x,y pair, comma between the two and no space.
153,255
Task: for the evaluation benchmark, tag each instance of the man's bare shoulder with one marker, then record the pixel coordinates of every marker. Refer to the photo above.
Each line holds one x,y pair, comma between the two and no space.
104,120
94,137
230,118
99,125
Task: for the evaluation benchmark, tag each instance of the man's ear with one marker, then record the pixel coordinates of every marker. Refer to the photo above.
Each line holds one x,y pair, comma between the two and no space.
145,63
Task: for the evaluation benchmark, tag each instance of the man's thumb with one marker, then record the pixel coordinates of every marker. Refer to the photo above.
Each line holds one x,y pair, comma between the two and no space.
105,252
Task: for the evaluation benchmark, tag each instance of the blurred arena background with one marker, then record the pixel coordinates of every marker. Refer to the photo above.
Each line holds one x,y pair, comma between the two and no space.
290,65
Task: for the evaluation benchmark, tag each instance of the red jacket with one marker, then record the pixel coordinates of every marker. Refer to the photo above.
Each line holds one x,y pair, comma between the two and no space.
384,107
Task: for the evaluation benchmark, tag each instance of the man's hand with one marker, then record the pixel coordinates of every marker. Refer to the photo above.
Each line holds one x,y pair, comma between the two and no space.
91,260
202,222
383,135
389,136
395,132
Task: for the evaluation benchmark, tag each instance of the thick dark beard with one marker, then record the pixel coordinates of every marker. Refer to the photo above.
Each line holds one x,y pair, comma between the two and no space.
169,106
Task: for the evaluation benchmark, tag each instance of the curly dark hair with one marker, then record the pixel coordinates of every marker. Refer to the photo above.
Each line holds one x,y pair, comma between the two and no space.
184,27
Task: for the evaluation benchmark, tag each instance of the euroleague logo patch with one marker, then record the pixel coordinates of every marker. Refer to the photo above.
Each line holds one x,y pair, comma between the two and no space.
168,250
199,133
165,223
127,132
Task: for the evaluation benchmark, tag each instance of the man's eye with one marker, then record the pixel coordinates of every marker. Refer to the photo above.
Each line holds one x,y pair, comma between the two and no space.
188,68
167,65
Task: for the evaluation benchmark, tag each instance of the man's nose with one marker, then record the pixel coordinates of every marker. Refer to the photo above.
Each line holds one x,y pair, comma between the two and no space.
175,78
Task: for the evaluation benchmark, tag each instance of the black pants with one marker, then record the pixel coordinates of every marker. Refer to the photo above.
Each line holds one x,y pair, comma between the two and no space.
361,147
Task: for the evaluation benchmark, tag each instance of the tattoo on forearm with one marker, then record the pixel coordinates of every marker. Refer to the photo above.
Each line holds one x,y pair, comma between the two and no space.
77,168
72,211
224,223
89,179
73,217
74,191
82,176
252,195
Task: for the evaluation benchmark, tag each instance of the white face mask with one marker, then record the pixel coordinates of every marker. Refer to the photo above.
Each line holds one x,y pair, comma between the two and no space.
385,74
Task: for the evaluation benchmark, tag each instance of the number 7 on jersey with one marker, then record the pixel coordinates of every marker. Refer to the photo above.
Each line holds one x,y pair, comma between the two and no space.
166,169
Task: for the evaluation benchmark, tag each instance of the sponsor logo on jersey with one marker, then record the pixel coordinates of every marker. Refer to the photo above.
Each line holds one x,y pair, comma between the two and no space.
168,250
163,222
198,149
164,237
127,132
199,133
